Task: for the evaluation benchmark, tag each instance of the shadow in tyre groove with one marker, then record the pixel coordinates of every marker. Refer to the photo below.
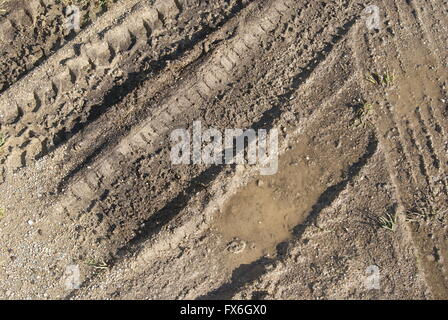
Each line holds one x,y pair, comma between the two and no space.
247,273
321,56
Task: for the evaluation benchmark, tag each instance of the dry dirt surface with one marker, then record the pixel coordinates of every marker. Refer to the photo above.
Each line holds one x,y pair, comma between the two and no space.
92,207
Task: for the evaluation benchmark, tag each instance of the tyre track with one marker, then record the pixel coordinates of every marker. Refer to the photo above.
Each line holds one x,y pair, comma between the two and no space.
429,238
419,143
78,224
425,140
225,65
22,105
21,19
436,35
149,248
31,32
160,246
102,59
436,26
412,134
303,75
122,201
86,191
429,139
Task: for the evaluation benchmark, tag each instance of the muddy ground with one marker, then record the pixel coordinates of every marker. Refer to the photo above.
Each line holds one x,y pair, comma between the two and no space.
92,207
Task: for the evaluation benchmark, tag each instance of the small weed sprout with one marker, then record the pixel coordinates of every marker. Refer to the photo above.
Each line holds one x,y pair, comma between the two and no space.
2,3
2,213
388,78
372,78
100,265
388,222
2,139
423,209
102,4
361,113
424,214
384,80
416,215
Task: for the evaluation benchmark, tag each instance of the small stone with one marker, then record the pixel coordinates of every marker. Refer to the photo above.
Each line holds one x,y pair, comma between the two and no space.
9,114
236,246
